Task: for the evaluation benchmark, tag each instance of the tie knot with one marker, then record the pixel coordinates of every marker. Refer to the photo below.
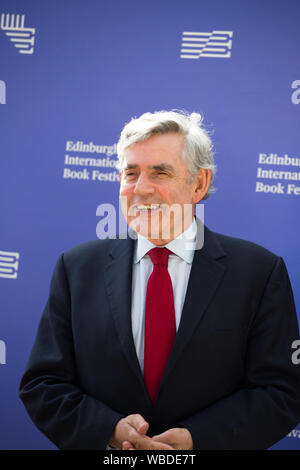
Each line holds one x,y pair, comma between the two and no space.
159,256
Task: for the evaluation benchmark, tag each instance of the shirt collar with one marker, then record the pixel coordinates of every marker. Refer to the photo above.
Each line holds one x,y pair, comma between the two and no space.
182,246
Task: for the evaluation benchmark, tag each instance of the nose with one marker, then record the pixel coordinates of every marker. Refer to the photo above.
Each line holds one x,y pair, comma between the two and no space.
143,185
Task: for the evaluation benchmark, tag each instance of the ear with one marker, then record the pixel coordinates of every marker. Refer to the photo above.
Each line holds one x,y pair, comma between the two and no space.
120,176
201,184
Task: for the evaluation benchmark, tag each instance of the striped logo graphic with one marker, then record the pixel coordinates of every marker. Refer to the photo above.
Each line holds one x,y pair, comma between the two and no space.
21,37
9,263
214,44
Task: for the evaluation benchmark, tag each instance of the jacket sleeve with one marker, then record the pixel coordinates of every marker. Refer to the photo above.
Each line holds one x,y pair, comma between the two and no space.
50,388
267,406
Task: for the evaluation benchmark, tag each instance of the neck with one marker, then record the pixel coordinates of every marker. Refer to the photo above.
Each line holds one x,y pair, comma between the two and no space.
178,230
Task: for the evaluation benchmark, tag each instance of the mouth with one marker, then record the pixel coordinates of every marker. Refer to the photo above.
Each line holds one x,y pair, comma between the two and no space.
147,208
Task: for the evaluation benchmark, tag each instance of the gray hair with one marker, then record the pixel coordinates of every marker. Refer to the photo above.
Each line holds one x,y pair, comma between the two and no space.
198,151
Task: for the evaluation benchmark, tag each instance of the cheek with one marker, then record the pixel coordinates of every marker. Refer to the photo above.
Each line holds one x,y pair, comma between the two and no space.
125,189
166,193
125,198
172,195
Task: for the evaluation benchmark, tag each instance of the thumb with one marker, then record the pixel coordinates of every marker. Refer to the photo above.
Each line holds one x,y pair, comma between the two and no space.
139,424
143,428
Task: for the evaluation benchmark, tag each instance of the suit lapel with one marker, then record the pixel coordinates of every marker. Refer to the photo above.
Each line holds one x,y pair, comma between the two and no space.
118,280
205,277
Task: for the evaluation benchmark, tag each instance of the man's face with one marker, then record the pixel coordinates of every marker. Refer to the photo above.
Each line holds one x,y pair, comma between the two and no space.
155,187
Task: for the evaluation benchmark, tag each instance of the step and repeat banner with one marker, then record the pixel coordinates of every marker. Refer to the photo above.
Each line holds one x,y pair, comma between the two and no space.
72,73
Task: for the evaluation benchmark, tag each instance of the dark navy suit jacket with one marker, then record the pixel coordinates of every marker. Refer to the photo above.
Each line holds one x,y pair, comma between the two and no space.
230,379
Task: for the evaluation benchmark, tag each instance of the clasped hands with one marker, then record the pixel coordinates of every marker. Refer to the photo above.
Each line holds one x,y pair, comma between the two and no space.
130,433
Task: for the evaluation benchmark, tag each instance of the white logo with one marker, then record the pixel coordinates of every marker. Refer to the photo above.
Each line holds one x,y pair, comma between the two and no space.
2,352
296,94
214,44
9,264
21,37
88,173
277,173
2,92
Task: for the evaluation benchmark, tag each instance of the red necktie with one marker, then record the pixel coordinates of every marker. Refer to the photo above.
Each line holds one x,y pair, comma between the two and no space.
160,325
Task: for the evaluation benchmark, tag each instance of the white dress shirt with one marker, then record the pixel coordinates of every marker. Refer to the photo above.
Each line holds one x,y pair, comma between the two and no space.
179,268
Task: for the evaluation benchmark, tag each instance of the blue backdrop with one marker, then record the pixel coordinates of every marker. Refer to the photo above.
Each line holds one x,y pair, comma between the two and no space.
71,74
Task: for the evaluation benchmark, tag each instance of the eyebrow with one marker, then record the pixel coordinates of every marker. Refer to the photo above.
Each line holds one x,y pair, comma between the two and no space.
160,167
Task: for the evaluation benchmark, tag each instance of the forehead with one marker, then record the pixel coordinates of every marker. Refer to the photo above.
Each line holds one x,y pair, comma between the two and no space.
157,149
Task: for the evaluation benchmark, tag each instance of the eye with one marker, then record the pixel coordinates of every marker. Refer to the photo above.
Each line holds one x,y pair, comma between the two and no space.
160,172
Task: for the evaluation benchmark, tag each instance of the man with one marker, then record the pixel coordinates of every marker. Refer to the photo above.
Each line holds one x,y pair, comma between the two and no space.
177,339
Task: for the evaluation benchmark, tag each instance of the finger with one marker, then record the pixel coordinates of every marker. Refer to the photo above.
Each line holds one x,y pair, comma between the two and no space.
139,423
178,438
136,439
147,443
143,428
126,445
160,446
163,437
124,431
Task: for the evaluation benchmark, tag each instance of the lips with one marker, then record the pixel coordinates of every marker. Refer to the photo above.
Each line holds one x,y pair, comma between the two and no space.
147,207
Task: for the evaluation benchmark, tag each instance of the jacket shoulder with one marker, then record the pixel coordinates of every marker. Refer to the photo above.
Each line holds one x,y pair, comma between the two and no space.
245,250
93,253
90,248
